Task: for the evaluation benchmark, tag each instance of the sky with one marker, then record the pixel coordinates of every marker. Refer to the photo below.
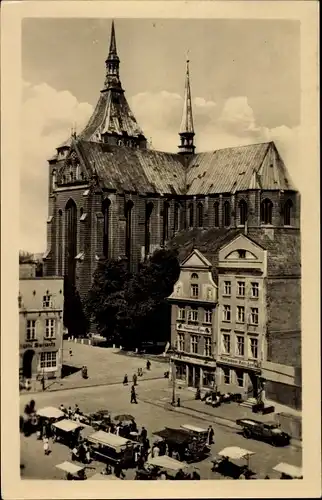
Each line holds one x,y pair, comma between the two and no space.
245,84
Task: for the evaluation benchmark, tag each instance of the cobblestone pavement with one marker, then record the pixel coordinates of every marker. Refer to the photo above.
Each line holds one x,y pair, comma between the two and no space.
116,398
105,366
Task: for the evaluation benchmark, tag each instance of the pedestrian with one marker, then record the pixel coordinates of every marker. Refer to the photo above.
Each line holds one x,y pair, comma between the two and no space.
148,365
70,412
135,379
179,475
125,380
156,451
144,434
62,408
195,475
46,445
210,437
133,395
70,353
43,383
118,471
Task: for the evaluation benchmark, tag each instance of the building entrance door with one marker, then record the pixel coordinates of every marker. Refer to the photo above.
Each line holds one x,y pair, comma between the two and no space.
190,375
254,381
27,363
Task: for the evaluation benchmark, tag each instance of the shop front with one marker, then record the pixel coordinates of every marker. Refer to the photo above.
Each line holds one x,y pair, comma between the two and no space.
40,359
239,376
195,373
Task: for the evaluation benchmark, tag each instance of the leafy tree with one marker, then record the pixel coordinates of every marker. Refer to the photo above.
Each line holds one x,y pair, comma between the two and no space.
74,318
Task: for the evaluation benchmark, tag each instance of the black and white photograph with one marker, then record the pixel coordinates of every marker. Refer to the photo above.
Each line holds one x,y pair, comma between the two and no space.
159,296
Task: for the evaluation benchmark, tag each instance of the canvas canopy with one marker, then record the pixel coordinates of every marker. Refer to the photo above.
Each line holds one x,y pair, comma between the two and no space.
69,467
193,428
166,462
235,453
50,412
67,425
108,439
289,470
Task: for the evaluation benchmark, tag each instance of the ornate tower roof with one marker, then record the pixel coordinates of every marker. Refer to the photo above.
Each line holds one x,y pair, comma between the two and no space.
112,120
186,129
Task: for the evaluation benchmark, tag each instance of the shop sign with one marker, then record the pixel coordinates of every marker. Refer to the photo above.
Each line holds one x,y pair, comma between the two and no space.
34,345
194,328
246,363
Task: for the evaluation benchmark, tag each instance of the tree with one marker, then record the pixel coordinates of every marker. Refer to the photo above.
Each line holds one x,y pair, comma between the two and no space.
74,318
25,257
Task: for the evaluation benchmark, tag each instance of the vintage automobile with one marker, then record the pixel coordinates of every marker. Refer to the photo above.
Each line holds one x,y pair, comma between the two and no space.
264,431
110,448
228,463
185,443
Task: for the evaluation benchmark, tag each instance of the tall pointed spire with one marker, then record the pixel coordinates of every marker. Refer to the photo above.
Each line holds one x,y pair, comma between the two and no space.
112,80
186,129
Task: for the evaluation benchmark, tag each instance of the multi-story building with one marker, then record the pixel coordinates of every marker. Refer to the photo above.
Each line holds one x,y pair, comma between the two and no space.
40,324
193,321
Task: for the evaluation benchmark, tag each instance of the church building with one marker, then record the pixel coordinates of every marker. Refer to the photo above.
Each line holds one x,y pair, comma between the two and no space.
112,196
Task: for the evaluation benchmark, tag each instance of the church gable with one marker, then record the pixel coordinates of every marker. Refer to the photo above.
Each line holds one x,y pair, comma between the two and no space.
73,169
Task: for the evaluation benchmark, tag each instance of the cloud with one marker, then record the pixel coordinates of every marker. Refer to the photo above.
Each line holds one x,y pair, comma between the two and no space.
47,118
48,115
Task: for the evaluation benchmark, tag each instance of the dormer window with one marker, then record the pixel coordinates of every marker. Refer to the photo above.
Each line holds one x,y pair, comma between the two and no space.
242,254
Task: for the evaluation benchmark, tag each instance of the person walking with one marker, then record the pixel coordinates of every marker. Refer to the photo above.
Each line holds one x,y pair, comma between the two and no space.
125,379
148,365
210,437
46,445
144,434
156,451
133,395
135,379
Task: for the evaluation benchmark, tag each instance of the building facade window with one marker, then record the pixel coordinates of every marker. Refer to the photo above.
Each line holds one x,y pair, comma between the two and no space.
240,314
181,313
226,343
165,235
176,217
200,214
253,351
243,212
71,240
226,374
239,378
266,211
227,287
216,214
226,313
288,213
240,345
148,216
241,288
194,276
209,293
180,371
46,301
180,341
106,226
208,350
48,360
255,290
226,214
207,379
194,290
241,254
31,329
190,214
50,328
193,315
128,229
194,344
208,316
254,316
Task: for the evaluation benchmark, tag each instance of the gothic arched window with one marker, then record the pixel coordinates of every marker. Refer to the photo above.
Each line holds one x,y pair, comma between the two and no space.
176,217
53,179
165,233
60,243
106,226
190,214
148,214
71,239
288,213
200,214
266,211
216,214
128,229
226,214
243,212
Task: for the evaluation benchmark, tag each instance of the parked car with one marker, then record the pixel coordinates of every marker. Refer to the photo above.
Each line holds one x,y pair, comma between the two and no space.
265,431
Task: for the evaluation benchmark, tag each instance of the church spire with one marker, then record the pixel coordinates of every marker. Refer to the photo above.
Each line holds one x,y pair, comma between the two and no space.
112,80
186,129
